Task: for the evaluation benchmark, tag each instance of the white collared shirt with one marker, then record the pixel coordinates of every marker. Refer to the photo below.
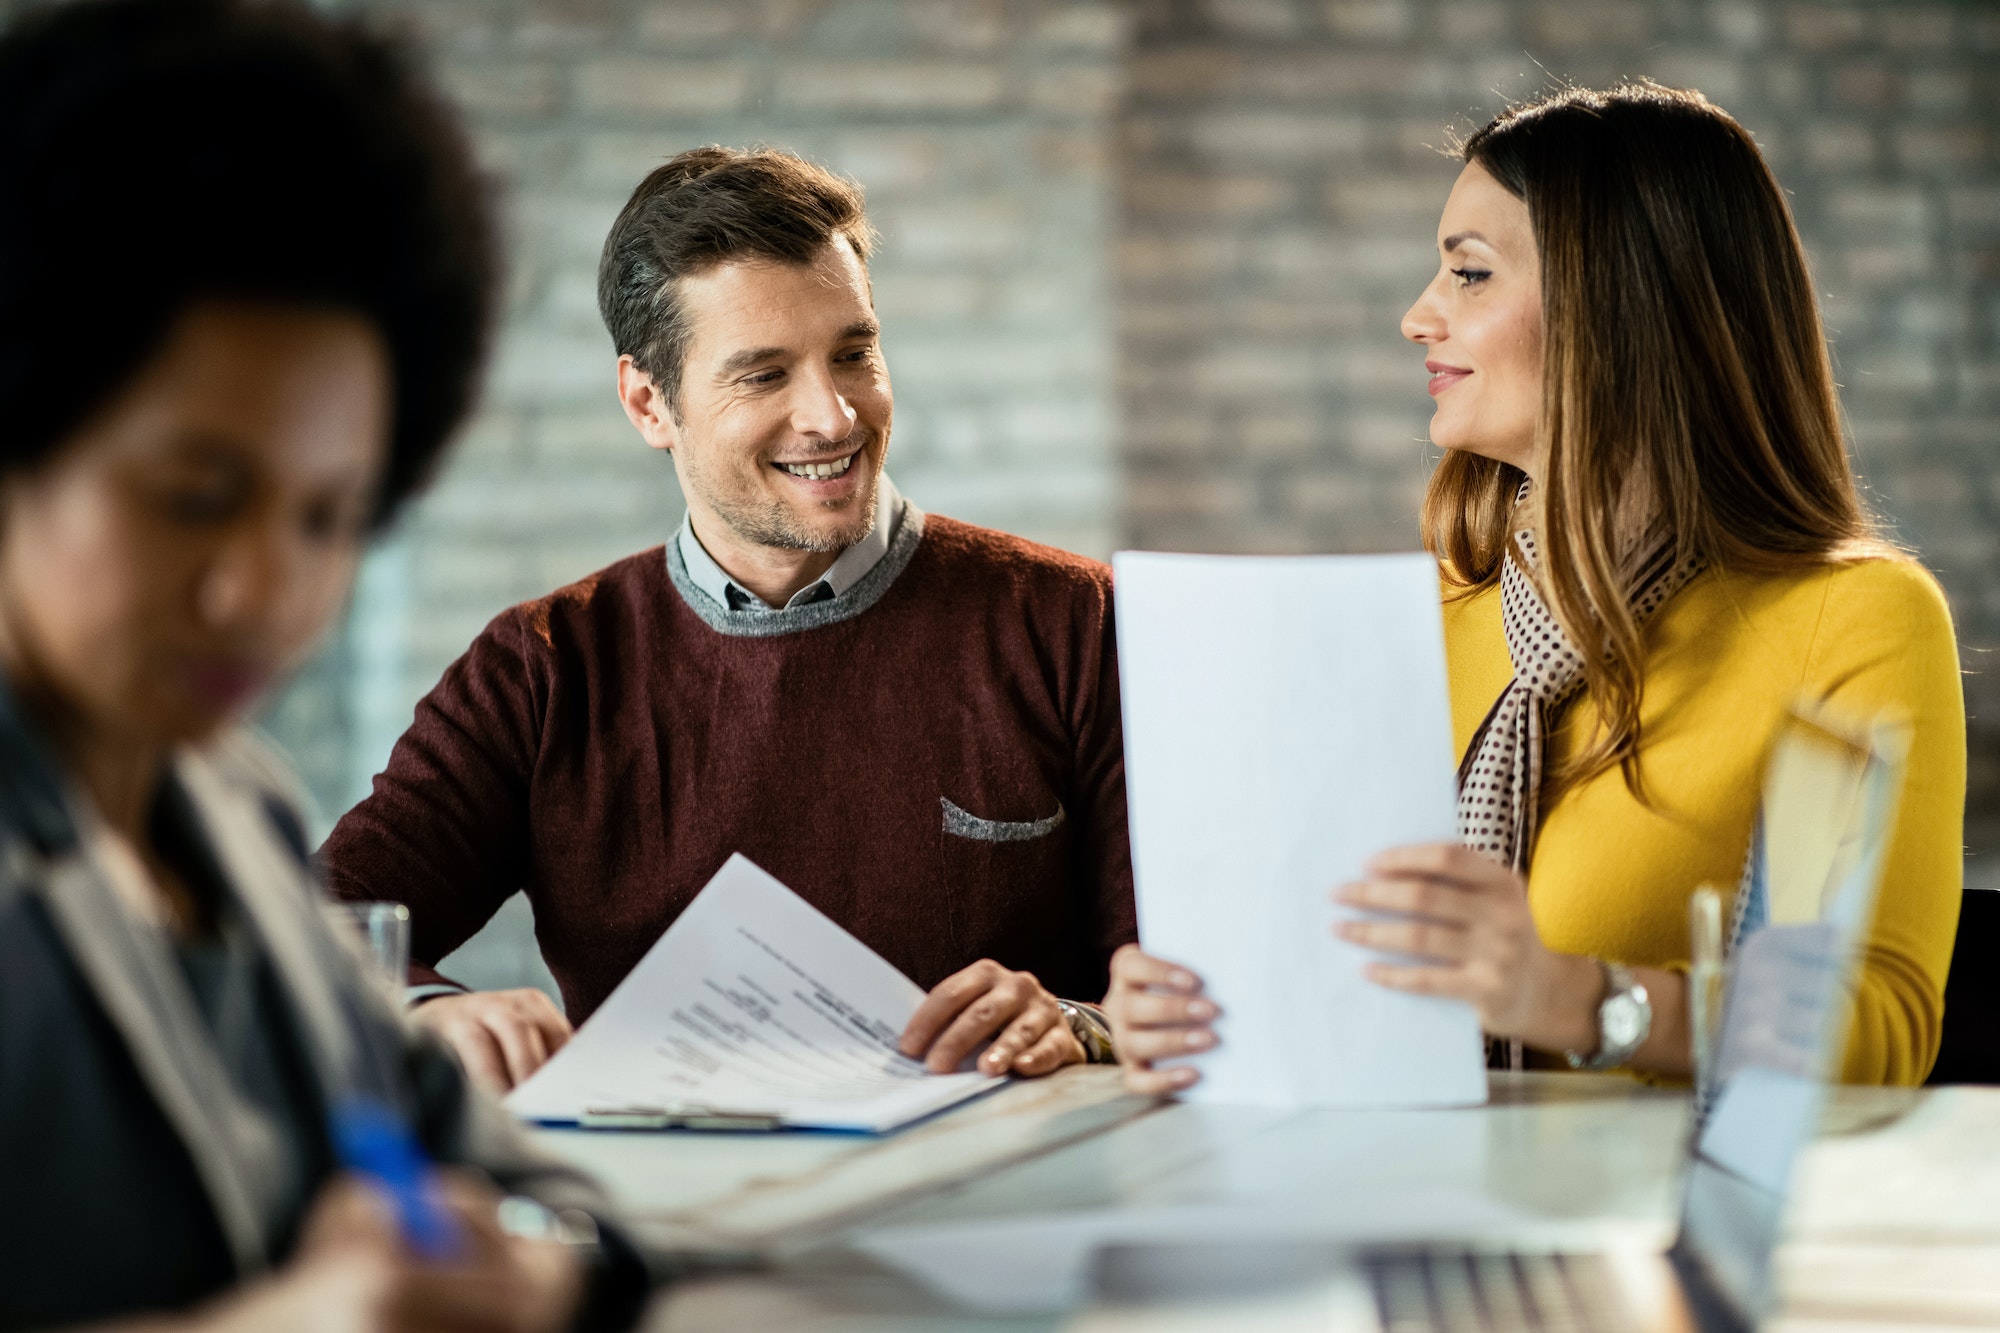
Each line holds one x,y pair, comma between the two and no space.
846,570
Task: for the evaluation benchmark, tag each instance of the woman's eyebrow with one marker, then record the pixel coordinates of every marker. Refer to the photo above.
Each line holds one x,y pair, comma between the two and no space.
208,447
1458,238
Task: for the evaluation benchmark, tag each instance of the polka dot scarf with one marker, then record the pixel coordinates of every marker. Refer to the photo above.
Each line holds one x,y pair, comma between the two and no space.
1500,777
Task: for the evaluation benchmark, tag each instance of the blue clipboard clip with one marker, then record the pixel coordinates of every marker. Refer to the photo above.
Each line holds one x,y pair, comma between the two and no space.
373,1141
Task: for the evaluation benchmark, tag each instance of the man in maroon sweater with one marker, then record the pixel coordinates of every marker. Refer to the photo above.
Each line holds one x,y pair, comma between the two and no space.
911,721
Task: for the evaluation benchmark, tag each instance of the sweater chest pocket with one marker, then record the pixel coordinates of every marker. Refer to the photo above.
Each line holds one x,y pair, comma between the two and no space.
1007,881
964,824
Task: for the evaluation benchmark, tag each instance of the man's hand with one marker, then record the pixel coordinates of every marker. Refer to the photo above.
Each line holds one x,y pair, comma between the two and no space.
501,1036
969,1007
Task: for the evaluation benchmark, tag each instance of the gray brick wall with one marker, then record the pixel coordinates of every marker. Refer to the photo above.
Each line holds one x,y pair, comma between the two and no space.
1280,192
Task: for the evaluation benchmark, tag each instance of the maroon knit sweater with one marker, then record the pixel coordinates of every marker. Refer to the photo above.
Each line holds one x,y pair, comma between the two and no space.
933,759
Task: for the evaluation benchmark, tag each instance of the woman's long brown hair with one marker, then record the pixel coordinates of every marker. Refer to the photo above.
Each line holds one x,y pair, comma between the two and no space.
1686,383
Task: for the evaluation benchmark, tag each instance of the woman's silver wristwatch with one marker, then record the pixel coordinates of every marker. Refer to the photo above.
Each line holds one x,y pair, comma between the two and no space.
1624,1017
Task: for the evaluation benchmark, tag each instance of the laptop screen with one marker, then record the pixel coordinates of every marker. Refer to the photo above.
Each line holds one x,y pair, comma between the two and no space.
1808,896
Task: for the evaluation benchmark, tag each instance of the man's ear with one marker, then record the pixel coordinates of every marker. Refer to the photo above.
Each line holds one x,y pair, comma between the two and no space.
645,406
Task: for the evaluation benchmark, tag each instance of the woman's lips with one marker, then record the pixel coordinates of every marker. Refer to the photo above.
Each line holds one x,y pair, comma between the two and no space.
224,686
1443,376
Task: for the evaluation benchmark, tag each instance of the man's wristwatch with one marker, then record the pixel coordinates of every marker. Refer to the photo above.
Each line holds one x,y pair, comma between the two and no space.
1624,1017
1091,1030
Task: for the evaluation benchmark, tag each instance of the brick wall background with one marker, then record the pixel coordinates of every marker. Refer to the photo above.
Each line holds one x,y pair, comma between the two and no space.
1144,262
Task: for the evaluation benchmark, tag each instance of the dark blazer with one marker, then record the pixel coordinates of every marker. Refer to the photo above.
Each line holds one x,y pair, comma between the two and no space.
133,1175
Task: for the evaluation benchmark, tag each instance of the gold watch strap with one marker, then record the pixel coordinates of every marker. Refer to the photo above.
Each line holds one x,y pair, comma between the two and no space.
1091,1029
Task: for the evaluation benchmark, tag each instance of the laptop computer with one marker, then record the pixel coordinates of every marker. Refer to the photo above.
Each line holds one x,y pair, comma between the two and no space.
1804,905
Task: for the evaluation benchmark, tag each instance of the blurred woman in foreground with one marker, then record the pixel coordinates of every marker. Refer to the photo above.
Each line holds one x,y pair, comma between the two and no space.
245,285
1652,545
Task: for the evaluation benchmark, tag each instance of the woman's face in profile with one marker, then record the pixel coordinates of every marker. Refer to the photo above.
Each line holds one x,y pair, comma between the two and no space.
185,548
1480,324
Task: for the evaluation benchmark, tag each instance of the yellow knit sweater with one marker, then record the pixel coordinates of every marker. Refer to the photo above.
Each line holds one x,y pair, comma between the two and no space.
1726,656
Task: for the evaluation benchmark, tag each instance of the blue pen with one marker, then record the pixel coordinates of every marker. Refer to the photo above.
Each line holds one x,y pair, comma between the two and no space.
372,1140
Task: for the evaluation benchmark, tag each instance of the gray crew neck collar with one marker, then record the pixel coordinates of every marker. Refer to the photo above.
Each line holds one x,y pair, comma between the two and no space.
848,568
768,623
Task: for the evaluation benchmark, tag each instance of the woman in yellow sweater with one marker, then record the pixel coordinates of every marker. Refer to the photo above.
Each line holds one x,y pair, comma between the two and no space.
1643,453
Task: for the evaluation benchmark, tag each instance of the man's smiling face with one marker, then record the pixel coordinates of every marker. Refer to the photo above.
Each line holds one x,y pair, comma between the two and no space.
783,420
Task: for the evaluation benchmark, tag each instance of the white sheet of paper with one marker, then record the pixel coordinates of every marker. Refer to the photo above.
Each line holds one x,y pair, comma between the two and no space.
752,1003
1285,719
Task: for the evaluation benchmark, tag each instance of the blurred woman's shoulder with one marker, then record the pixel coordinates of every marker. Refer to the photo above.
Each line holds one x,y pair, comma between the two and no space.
252,767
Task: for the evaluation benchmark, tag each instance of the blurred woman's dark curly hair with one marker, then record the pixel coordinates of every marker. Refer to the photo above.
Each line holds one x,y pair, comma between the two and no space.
156,153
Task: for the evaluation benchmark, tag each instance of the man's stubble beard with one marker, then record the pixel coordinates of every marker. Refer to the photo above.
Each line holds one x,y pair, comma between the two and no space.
771,523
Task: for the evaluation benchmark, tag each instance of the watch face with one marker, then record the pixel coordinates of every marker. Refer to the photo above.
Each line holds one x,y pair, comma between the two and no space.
1621,1017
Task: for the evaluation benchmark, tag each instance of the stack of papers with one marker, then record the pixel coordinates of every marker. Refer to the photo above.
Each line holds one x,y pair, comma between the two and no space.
754,1010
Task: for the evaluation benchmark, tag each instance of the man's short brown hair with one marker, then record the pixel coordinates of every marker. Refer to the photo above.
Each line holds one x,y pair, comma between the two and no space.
703,208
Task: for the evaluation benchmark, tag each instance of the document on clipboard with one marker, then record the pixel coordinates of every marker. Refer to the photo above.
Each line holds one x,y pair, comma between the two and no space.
753,1011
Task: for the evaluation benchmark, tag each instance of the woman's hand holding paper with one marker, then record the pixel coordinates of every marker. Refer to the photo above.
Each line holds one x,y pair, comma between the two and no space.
1459,928
1466,932
1463,924
1157,1012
